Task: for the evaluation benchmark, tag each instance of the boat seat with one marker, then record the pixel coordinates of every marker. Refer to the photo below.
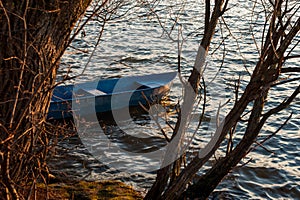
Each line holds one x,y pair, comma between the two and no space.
149,84
89,92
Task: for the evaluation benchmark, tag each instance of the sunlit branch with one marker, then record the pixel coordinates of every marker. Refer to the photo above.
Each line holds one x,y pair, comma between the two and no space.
285,81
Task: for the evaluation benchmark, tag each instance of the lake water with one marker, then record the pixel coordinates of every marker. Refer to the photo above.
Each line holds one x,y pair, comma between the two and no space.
136,44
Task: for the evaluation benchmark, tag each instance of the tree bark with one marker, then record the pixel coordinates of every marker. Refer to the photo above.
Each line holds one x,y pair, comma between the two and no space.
34,34
161,187
265,73
209,181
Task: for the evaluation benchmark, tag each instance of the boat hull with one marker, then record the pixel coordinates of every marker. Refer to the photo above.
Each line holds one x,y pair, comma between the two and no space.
150,89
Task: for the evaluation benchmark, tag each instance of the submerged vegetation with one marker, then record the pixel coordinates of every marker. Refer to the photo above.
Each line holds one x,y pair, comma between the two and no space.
85,190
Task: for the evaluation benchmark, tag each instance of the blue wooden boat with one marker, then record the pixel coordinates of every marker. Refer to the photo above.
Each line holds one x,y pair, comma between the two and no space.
109,94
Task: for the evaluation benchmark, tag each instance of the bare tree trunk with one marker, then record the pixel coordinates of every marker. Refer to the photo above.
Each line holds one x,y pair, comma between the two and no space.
34,34
267,70
157,191
209,181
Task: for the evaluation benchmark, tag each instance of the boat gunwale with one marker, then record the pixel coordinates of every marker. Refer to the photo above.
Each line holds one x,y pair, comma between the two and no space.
162,84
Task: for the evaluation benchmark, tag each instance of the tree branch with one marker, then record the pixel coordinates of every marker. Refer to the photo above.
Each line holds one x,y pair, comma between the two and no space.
290,69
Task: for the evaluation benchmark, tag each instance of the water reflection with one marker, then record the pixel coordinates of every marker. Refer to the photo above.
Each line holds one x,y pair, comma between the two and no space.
126,141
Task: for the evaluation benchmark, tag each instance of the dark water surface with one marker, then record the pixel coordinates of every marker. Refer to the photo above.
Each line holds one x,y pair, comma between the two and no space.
136,45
